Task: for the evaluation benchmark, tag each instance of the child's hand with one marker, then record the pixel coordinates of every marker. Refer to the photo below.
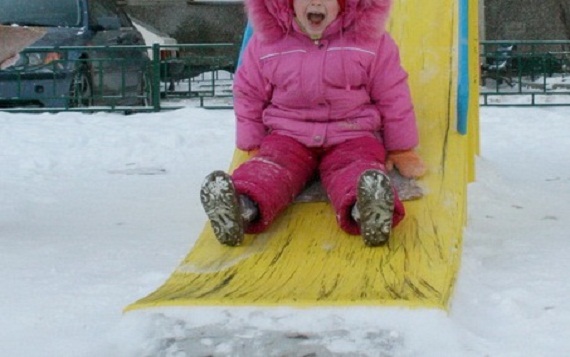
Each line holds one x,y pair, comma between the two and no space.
408,163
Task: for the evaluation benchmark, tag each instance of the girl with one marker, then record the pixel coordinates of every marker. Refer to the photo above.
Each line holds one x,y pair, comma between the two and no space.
320,91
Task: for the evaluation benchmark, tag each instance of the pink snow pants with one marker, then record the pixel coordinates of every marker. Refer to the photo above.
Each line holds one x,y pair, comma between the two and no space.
282,167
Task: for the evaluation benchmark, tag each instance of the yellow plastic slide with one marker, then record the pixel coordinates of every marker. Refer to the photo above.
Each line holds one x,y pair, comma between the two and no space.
304,259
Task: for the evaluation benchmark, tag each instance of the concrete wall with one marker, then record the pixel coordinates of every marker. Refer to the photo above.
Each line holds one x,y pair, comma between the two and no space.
527,19
223,21
193,22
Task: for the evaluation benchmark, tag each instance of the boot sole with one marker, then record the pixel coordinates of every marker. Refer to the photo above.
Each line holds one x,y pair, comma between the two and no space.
220,202
376,206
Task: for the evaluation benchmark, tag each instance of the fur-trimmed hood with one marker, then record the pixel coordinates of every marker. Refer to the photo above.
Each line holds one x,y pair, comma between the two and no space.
362,19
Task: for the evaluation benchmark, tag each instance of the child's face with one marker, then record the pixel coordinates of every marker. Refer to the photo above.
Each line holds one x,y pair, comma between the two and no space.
315,15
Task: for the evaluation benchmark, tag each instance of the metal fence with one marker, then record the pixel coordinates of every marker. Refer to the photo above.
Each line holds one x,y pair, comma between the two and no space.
158,77
196,71
525,73
117,78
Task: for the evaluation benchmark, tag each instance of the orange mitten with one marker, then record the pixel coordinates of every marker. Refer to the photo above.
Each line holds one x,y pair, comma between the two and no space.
408,163
253,152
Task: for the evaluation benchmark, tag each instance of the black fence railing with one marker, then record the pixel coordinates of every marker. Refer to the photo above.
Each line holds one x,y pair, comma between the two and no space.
117,78
525,73
196,71
153,78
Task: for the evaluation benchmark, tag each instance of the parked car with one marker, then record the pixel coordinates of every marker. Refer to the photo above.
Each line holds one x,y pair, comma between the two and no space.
72,65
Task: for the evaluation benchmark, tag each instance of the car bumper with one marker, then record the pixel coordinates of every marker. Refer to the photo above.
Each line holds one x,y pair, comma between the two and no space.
42,89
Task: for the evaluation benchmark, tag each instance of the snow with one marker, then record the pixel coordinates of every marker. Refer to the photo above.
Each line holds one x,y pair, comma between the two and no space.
96,211
550,90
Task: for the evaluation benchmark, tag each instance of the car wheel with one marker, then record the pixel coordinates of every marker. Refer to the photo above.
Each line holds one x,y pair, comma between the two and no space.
81,90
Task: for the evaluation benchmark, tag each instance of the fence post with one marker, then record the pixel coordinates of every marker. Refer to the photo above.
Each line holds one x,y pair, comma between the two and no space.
155,81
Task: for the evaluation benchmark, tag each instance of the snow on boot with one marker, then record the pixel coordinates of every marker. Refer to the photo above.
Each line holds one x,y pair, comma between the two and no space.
375,207
249,210
221,203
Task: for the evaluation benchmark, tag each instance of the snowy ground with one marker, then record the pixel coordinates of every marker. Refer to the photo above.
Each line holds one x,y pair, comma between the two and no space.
543,90
97,210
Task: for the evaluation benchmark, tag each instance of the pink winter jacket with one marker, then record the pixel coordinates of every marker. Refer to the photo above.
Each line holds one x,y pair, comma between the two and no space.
347,85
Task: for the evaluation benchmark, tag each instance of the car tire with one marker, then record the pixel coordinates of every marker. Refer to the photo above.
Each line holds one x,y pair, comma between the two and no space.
81,89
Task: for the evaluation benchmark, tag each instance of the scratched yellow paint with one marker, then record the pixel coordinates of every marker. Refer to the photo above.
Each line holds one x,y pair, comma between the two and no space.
306,260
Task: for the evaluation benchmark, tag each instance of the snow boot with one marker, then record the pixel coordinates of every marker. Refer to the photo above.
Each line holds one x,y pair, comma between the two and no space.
374,207
221,203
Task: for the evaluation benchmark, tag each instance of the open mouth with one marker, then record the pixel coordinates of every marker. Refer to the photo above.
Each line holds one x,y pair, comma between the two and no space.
315,18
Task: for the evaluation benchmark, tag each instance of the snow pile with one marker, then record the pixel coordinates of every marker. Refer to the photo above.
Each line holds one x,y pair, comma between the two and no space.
97,210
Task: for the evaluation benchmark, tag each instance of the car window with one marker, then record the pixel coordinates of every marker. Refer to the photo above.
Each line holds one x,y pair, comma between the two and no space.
54,13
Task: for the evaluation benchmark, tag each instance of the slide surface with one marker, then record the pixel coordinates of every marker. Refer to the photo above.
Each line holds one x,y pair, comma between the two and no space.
305,260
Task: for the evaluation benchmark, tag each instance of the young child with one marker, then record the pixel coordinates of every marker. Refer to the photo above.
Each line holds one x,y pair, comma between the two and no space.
320,91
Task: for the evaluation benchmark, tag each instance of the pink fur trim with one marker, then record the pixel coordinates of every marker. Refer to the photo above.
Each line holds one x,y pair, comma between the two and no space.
362,19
